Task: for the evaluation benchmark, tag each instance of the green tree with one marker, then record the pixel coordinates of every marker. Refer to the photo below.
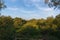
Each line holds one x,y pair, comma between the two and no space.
2,5
53,3
56,21
18,23
6,28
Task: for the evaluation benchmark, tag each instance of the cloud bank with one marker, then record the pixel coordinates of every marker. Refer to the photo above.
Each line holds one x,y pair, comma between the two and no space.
30,9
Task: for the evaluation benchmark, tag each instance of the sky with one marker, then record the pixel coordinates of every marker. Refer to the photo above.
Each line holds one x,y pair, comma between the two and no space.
28,9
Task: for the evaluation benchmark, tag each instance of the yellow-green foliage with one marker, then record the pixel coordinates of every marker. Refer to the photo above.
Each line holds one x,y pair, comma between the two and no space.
29,28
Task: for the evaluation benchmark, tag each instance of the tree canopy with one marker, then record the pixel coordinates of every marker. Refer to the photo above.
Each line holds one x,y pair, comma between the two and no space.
34,29
53,3
13,28
2,5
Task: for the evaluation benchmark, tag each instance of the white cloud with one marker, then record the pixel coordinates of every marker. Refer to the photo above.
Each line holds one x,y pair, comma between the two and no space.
47,9
35,13
40,7
36,4
13,8
20,10
44,9
13,0
35,1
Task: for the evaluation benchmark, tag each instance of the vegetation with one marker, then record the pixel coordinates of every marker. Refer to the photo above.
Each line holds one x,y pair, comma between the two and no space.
16,28
53,3
2,5
34,29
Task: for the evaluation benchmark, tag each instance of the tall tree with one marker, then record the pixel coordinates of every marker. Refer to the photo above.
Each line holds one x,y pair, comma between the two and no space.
2,5
7,30
53,3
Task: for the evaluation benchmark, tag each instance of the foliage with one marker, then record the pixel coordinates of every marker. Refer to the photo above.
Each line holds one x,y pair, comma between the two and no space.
53,3
6,28
12,28
2,5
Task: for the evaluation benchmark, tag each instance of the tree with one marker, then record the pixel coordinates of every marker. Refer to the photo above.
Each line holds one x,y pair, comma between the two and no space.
53,3
18,23
2,5
6,28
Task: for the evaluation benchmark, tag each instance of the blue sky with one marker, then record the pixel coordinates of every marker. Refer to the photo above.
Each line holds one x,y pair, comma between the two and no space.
28,9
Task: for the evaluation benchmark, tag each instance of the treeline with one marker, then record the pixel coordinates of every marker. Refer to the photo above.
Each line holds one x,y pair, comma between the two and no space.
16,28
